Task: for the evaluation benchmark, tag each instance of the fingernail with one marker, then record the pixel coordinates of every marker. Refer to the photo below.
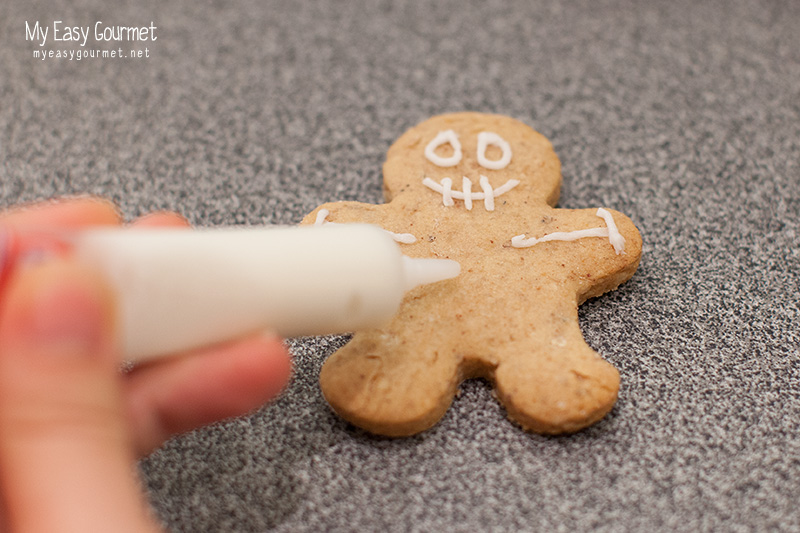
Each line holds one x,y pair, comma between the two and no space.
270,335
5,245
62,313
34,256
24,251
5,256
38,247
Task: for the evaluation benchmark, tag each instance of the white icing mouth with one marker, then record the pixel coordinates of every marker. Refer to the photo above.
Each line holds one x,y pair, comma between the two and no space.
488,194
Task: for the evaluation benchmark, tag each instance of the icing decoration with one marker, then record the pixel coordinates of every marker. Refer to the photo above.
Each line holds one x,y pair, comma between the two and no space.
488,195
466,186
440,139
402,238
447,192
485,138
322,214
614,237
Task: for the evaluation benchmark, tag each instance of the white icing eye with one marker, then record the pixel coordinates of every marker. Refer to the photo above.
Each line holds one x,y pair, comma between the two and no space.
448,136
485,138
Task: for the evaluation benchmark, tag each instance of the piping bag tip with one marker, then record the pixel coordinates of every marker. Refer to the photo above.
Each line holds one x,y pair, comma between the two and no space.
422,271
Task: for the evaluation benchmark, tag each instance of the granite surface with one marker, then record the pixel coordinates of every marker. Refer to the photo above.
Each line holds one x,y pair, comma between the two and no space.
684,115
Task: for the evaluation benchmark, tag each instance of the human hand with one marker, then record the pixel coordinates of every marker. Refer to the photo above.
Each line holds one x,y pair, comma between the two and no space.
71,423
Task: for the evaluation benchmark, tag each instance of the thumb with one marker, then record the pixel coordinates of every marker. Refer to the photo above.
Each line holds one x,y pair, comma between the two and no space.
66,461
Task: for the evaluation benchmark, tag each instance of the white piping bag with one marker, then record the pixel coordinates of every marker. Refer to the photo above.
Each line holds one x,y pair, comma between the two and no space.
179,289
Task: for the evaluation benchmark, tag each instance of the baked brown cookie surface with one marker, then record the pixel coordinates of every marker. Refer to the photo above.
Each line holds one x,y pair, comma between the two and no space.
481,189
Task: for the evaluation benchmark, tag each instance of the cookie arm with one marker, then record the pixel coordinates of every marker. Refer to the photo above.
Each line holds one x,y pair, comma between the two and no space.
612,268
341,211
355,212
594,249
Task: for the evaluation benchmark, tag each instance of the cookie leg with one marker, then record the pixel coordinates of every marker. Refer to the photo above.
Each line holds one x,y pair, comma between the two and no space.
389,385
558,387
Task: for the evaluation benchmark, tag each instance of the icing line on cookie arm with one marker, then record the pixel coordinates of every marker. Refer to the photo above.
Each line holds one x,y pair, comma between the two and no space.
520,241
322,214
614,236
402,238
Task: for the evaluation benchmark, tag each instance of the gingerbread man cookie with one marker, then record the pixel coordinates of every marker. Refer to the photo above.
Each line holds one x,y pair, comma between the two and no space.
481,189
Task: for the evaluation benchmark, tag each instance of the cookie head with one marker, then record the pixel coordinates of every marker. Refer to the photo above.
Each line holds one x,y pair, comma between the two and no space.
465,159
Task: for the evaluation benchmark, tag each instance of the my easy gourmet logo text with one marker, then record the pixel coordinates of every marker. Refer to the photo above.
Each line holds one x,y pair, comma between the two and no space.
64,37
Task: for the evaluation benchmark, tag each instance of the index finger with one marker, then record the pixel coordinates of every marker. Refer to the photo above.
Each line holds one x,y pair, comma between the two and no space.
28,227
62,213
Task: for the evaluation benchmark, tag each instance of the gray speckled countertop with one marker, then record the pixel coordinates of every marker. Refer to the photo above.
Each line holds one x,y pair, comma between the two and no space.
684,115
